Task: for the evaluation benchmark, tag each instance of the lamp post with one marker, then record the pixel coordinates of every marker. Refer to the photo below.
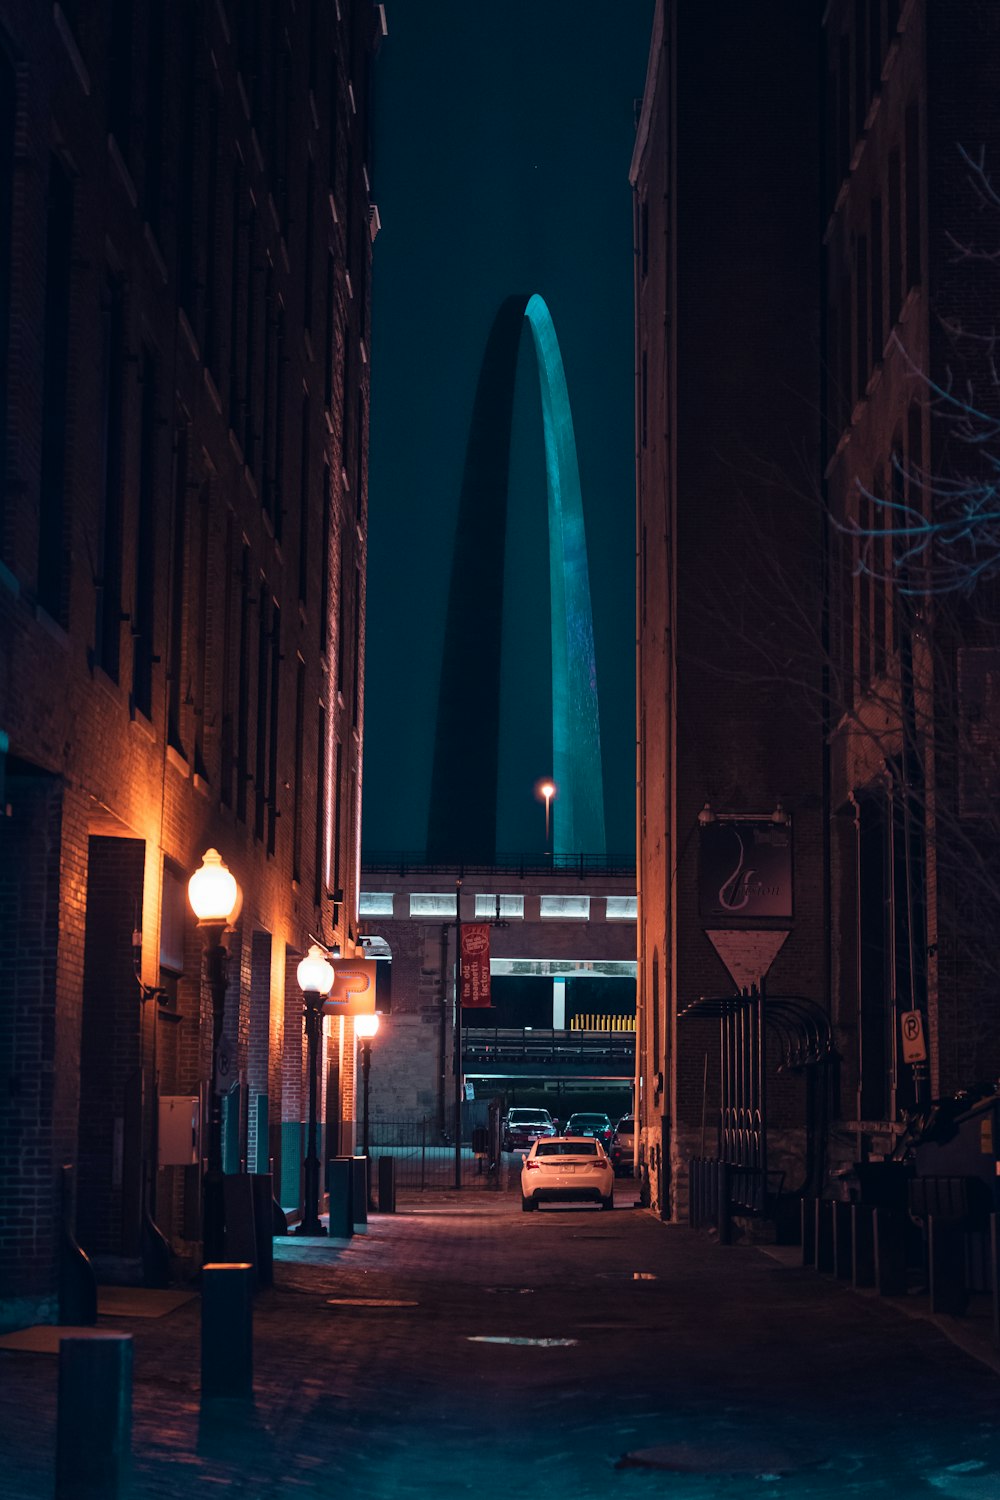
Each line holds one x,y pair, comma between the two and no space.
215,899
547,790
365,1027
315,976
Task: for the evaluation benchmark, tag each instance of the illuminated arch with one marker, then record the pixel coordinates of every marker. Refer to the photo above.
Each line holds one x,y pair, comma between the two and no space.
462,823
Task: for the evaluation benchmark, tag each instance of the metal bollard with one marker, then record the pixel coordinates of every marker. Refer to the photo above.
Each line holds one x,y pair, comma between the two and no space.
863,1244
824,1235
807,1209
338,1185
387,1184
843,1248
263,1226
227,1332
724,1220
359,1191
94,1424
890,1252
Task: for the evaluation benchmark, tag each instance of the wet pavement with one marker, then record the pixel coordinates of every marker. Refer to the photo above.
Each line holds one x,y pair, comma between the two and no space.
462,1347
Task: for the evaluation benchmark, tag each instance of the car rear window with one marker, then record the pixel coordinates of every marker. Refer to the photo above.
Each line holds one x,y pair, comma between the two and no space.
528,1117
591,1119
566,1148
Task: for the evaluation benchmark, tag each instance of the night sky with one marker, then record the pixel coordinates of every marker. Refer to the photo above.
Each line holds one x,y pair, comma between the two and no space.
503,136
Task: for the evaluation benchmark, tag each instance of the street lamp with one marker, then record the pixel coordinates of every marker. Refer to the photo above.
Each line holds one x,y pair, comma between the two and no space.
215,899
547,790
315,976
365,1028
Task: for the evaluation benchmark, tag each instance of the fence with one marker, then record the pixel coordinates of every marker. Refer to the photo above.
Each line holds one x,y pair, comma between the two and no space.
426,1162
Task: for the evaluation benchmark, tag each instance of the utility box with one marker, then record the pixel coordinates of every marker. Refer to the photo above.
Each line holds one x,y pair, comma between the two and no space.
179,1122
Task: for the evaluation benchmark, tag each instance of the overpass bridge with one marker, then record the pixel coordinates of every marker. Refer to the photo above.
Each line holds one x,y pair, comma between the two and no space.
563,974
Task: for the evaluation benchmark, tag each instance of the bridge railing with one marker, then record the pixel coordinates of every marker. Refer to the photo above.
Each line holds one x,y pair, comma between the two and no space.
538,1044
403,862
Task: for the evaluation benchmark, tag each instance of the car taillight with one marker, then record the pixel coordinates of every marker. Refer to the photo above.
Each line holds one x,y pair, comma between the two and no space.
532,1166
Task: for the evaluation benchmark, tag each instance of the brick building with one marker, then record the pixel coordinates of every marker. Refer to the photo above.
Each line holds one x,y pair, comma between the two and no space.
185,252
910,397
815,276
727,323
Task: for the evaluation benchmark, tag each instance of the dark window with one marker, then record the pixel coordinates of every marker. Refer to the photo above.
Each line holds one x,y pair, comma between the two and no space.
227,755
120,74
243,705
873,903
895,239
187,230
272,749
235,296
644,236
211,222
201,636
269,384
912,196
898,494
313,34
300,717
178,589
8,114
334,124
356,652
876,45
52,548
319,883
644,399
861,91
324,562
864,591
342,618
304,500
153,106
338,822
862,309
877,282
844,107
893,9
345,404
143,605
308,256
359,461
250,347
262,716
879,585
283,127
107,630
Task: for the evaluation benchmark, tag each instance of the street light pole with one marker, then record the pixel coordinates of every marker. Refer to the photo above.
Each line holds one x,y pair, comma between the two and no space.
215,900
365,1028
315,976
547,790
458,1033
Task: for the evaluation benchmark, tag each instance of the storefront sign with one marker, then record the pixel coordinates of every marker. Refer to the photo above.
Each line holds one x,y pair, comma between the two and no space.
745,869
476,965
353,992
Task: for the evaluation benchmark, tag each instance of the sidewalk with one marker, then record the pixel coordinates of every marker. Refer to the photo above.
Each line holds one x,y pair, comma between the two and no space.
461,1346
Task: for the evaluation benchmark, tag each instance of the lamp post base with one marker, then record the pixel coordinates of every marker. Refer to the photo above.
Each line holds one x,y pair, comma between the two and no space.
310,1229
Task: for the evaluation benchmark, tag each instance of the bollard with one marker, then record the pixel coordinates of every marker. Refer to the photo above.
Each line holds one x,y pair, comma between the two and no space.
807,1208
359,1191
387,1184
842,1241
889,1227
338,1185
94,1423
724,1220
227,1332
824,1235
241,1235
263,1226
946,1265
863,1245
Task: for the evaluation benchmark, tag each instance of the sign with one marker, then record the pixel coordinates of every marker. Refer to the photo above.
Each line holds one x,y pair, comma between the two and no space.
353,992
914,1045
747,954
476,965
745,868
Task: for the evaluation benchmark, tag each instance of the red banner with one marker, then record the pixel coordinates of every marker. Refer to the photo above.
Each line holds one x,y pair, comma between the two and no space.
476,965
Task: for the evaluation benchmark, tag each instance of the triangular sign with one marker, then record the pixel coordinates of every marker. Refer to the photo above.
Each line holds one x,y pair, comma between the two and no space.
747,955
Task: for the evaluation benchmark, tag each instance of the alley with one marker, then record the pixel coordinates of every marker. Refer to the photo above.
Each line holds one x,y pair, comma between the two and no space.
385,1366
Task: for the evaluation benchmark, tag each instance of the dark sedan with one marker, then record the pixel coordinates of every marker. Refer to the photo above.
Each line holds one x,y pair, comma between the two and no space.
597,1126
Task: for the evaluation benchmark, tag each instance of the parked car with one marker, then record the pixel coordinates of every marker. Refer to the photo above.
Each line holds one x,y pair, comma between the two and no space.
598,1126
567,1169
521,1127
622,1151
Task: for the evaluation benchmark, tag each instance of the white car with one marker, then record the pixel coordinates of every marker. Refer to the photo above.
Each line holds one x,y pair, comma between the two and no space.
567,1169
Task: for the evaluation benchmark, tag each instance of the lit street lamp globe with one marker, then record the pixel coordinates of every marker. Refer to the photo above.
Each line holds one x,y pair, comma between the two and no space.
365,1027
212,890
315,973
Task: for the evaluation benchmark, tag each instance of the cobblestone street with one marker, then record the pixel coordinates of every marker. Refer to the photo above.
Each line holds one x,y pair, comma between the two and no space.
374,1369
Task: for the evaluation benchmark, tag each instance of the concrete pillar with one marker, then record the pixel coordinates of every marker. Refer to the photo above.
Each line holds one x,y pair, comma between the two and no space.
558,1005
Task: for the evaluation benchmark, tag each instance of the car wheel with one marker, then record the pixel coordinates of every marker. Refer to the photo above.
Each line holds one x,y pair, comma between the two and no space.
527,1204
608,1202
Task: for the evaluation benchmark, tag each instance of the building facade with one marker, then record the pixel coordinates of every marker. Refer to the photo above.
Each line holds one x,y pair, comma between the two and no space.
727,264
186,233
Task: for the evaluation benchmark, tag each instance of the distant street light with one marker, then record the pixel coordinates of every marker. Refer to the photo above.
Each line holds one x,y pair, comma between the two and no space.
216,900
365,1027
315,976
547,790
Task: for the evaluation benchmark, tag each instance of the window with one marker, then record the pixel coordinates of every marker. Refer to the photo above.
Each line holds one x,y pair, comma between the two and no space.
227,755
144,602
427,904
263,684
308,258
178,571
576,908
107,628
338,822
324,560
243,690
187,241
300,717
509,906
272,749
278,513
210,217
152,179
863,585
304,499
250,347
356,653
52,549
330,308
622,908
120,75
319,868
269,383
235,296
862,308
200,557
375,904
861,90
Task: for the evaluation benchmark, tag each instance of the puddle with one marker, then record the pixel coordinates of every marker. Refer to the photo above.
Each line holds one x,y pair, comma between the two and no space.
626,1276
487,1338
369,1302
514,1291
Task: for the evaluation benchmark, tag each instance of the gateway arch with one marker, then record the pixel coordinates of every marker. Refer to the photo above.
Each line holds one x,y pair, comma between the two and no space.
462,822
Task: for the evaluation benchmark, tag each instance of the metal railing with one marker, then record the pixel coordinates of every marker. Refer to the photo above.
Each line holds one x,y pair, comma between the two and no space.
405,861
425,1160
535,1044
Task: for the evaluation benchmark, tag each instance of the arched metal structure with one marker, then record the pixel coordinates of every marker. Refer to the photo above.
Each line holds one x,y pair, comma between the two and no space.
462,823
